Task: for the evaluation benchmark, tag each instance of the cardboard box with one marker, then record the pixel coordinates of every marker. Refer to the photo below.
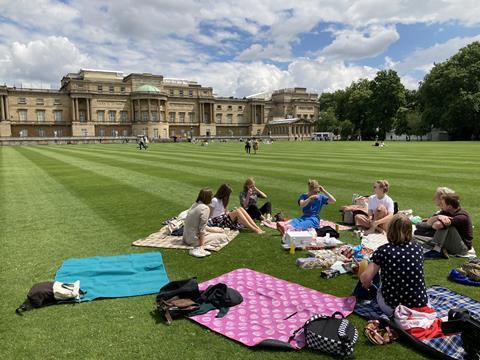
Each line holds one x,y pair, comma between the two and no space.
298,238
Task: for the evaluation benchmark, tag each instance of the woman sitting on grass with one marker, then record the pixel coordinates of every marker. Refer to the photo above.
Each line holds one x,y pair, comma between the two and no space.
221,217
380,209
248,201
400,263
311,204
196,233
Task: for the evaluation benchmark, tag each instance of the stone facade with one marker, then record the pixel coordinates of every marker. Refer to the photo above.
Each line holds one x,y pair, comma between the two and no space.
105,103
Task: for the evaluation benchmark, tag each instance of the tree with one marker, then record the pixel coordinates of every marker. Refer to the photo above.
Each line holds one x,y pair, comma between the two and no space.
450,94
357,107
388,95
401,125
346,129
327,121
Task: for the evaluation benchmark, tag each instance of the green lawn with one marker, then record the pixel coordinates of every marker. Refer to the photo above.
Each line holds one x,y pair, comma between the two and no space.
58,202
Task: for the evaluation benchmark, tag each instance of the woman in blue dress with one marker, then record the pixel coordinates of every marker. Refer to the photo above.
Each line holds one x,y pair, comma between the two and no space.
311,204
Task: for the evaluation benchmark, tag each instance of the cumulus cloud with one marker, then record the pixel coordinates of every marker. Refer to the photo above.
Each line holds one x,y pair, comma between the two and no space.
353,44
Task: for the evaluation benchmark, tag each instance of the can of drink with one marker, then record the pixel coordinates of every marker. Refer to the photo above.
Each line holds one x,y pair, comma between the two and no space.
337,228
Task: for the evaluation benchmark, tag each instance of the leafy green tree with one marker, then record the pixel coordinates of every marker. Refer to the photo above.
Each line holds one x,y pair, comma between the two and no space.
357,107
401,125
346,129
450,94
388,95
327,121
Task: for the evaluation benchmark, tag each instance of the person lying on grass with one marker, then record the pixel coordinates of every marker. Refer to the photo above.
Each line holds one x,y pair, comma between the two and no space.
400,263
221,217
454,232
196,233
380,209
311,203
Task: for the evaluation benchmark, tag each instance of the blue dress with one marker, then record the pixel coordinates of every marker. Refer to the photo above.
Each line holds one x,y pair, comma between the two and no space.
311,213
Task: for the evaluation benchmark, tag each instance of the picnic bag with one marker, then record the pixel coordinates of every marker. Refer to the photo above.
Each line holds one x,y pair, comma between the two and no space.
177,299
49,293
330,334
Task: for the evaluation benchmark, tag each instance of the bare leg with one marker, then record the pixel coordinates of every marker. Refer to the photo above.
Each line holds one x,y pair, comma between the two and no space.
240,217
247,217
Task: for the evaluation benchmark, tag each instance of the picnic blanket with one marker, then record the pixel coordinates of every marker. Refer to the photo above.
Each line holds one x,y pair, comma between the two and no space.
272,309
163,239
442,300
374,241
115,276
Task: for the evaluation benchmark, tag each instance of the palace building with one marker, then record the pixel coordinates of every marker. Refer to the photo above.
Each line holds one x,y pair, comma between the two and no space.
106,103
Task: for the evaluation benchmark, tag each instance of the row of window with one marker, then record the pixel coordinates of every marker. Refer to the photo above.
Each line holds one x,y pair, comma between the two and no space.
41,133
229,107
38,101
58,117
182,92
111,89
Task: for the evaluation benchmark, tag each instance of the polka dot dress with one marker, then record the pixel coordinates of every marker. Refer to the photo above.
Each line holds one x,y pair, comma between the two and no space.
401,274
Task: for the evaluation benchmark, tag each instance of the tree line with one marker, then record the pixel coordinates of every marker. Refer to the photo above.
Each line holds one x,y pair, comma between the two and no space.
448,99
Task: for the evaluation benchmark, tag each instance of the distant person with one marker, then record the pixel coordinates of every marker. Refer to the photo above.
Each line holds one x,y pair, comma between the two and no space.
400,265
255,146
221,217
248,201
380,209
142,143
196,233
311,204
248,146
454,231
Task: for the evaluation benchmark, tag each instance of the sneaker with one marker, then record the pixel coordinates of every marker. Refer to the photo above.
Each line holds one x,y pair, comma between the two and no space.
269,217
432,255
199,252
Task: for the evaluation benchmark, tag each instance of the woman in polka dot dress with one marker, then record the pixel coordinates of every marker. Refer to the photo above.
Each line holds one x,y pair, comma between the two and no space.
400,263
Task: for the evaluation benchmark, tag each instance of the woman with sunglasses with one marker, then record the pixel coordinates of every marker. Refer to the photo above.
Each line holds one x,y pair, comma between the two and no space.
380,209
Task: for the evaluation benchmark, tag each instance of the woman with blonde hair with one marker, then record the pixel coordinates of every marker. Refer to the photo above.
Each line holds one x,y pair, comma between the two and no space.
380,209
311,203
221,217
248,201
400,263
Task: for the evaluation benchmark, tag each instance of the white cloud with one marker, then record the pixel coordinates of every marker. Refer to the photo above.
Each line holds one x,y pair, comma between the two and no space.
353,44
424,59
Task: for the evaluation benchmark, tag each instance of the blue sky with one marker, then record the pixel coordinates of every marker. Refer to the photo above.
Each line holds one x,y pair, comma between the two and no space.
238,48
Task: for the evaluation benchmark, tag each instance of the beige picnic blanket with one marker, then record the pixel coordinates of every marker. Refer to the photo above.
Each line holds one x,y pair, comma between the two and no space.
163,239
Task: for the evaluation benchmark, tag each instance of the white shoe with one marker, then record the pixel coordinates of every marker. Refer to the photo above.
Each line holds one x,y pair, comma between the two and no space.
199,252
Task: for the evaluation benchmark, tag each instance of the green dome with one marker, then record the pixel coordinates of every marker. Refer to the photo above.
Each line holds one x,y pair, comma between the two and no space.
148,88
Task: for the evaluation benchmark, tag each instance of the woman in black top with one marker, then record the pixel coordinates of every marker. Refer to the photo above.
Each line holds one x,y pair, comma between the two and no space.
400,263
248,200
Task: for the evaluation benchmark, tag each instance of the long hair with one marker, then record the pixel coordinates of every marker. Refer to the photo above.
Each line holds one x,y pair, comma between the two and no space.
250,181
399,230
205,196
223,193
383,184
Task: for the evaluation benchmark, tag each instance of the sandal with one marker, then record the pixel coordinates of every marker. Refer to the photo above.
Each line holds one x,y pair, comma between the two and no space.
378,335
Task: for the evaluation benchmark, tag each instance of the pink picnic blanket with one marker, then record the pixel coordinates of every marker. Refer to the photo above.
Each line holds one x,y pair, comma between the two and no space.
272,309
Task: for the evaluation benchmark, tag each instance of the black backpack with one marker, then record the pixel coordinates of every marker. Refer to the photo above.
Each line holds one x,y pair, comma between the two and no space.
324,230
177,299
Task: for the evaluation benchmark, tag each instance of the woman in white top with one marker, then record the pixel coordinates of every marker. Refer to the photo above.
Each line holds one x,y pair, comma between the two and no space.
196,233
380,209
221,217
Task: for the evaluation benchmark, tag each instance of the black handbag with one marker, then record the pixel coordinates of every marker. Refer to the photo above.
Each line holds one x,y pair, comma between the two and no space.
177,299
331,334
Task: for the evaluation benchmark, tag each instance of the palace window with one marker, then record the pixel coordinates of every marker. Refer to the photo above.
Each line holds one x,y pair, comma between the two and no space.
191,116
145,116
101,132
219,107
114,132
125,132
59,132
122,89
57,102
137,115
240,118
180,92
41,115
81,115
190,93
24,133
22,101
154,116
111,89
155,133
171,117
57,116
40,101
229,107
162,116
181,117
218,118
171,92
240,107
22,115
124,116
101,116
100,88
229,118
41,132
112,115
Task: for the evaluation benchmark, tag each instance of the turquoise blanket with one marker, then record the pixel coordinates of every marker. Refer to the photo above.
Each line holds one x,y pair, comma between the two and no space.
115,276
